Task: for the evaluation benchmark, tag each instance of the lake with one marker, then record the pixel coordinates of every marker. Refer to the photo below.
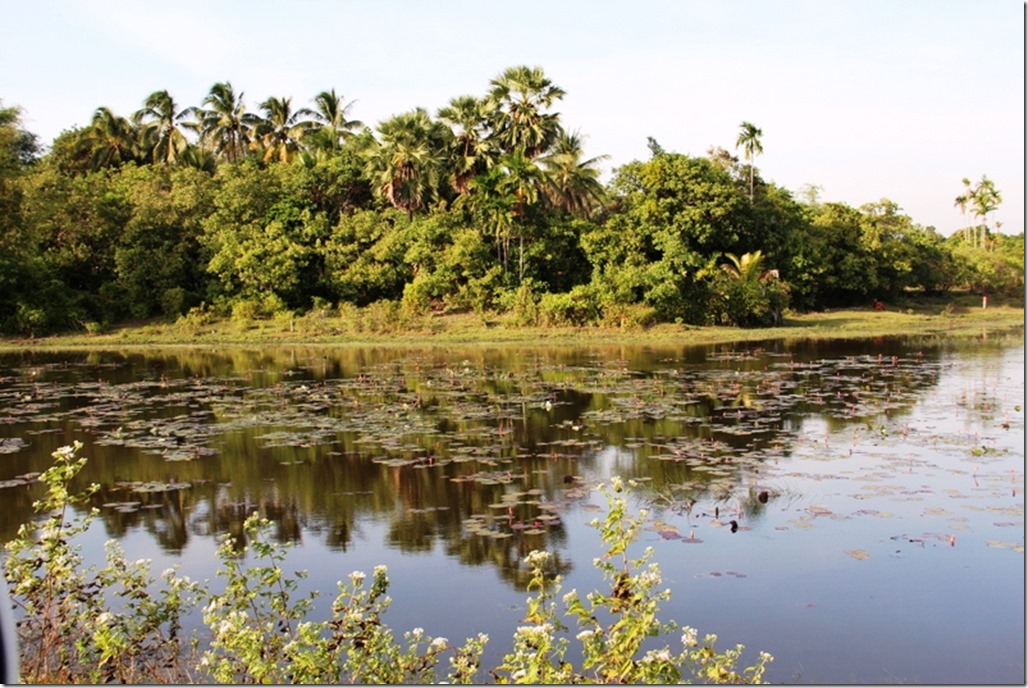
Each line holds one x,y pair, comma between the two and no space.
876,486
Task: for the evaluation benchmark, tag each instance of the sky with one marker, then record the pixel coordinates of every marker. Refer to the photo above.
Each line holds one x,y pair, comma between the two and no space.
865,99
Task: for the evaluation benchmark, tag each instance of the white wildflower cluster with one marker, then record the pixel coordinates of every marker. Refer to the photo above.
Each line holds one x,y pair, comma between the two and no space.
689,636
649,578
439,644
357,577
537,631
653,656
588,634
537,558
381,570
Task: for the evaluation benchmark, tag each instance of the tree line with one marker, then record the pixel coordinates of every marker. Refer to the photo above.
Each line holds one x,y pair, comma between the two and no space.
489,204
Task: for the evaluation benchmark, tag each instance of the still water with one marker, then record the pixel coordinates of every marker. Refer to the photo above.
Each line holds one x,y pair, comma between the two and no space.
876,487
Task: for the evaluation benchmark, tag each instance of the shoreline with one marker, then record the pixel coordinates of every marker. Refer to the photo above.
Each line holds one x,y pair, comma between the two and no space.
472,330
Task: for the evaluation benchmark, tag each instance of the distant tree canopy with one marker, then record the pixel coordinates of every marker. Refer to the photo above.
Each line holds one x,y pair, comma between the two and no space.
489,203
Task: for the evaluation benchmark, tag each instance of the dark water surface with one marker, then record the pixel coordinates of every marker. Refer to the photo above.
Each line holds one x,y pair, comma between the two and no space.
877,486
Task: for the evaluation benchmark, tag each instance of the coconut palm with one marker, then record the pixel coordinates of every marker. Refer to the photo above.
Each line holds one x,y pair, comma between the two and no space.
473,151
573,184
407,167
331,112
162,128
749,139
109,139
224,123
280,131
520,96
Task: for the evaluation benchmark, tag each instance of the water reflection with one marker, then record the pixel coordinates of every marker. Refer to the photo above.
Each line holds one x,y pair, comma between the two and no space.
482,448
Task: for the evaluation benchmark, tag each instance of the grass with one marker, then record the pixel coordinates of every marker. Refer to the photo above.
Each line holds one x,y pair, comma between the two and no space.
944,317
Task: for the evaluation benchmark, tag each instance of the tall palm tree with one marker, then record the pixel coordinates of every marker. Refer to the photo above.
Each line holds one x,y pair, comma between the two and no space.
749,139
407,166
224,123
473,151
573,184
161,128
331,112
963,201
521,96
110,139
280,131
985,199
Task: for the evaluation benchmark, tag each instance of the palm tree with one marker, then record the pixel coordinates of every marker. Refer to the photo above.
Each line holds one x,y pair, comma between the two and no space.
573,184
748,268
963,201
225,124
331,113
407,167
473,152
520,96
984,200
749,139
280,131
161,126
110,140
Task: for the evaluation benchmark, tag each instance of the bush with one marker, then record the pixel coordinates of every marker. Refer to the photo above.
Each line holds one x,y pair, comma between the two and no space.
577,307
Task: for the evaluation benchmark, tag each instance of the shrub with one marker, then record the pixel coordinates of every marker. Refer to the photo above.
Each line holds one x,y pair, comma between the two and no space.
83,625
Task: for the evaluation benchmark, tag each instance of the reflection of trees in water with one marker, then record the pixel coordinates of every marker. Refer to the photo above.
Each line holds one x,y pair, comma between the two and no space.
434,440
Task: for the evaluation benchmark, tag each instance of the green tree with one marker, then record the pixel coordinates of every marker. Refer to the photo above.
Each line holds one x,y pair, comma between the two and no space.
158,260
675,216
109,141
749,139
407,168
331,112
473,151
162,128
573,184
264,236
985,199
751,296
225,125
963,201
521,95
280,131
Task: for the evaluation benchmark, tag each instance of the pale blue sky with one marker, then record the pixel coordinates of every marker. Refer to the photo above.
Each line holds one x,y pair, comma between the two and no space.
865,98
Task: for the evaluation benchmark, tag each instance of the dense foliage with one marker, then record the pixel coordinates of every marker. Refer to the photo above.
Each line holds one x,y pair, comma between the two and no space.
490,204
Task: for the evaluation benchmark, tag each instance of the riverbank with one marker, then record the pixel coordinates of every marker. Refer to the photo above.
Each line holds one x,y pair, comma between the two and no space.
384,327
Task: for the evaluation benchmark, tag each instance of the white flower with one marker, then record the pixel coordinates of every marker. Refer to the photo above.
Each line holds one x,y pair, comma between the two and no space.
537,558
438,644
357,576
587,634
381,570
689,637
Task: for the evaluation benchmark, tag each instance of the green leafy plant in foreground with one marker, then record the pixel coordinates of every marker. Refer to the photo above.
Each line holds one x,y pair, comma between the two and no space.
619,627
81,625
78,624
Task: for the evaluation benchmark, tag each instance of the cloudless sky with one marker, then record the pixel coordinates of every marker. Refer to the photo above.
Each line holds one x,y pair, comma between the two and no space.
863,98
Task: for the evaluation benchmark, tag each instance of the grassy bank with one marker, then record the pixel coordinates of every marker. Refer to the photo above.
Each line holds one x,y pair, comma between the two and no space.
386,325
